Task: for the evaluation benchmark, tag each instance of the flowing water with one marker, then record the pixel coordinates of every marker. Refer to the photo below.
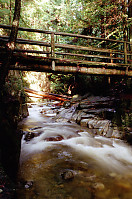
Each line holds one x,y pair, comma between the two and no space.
65,161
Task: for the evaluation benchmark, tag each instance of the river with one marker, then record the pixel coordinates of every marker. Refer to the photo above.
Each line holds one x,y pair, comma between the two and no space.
62,160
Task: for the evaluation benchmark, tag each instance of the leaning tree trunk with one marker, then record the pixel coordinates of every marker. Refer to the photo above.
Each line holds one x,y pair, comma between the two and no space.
11,44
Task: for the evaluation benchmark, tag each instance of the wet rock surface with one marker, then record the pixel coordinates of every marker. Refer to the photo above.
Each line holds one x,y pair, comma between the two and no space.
33,132
54,138
96,113
92,113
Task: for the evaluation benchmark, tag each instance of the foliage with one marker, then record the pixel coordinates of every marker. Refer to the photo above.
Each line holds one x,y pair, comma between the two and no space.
6,11
78,84
74,15
60,82
94,17
68,15
37,81
14,85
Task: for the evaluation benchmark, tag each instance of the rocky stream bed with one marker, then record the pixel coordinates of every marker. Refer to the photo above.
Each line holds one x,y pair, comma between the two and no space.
78,150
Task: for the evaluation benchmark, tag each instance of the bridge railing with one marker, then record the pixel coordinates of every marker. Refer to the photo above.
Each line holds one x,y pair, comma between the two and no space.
73,48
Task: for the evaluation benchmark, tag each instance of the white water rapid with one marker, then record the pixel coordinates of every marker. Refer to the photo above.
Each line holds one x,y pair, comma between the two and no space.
103,160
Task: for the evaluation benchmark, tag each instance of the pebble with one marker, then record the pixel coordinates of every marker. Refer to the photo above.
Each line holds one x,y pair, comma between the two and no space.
113,175
1,190
26,186
29,184
99,186
67,175
91,178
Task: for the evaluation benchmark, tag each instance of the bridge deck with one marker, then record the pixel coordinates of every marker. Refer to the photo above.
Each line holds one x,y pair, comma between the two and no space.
60,53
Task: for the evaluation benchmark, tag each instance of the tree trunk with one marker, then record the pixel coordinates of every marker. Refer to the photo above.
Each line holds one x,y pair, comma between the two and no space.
130,16
11,44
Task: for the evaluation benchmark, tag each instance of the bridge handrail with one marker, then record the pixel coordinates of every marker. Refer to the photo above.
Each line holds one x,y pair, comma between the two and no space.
62,34
66,46
54,45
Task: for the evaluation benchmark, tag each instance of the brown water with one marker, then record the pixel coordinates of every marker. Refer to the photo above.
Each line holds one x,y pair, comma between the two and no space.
78,166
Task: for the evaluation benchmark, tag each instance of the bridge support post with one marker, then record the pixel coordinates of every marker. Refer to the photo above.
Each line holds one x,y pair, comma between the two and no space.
125,33
53,50
125,52
125,56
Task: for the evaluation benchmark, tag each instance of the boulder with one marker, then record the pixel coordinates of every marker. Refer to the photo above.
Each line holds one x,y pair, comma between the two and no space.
116,134
84,122
54,138
29,136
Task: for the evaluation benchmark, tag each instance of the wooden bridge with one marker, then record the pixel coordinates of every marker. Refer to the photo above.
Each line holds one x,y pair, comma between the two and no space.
60,52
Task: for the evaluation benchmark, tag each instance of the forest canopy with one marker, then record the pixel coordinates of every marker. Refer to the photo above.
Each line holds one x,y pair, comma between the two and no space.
90,17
